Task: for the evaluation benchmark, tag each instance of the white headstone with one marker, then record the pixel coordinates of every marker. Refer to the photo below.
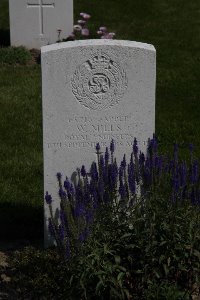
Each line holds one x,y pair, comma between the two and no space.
94,91
35,23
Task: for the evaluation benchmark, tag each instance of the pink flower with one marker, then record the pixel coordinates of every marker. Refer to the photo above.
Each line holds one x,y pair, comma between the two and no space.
108,36
112,34
81,22
103,28
72,35
86,16
77,27
85,32
99,32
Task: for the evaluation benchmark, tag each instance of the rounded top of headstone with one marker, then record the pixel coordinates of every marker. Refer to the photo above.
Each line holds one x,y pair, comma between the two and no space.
97,42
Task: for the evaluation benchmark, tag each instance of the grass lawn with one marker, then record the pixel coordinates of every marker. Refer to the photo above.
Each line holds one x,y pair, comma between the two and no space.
172,26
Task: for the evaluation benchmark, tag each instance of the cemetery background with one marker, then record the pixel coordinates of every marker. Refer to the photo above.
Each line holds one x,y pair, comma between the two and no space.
173,29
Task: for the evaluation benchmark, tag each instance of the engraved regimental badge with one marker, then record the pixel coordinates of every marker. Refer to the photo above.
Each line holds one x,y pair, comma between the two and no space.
99,82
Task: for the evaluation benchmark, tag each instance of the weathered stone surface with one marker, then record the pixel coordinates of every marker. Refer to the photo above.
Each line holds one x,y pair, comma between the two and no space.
94,91
34,23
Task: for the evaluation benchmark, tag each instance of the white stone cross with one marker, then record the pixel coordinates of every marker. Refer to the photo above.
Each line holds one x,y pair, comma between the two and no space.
41,6
35,23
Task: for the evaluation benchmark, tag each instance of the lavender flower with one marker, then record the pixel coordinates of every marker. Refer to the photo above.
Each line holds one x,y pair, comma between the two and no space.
94,172
101,163
67,185
154,144
59,175
141,159
106,155
48,198
112,147
62,193
83,171
113,173
123,163
135,147
79,193
98,147
79,209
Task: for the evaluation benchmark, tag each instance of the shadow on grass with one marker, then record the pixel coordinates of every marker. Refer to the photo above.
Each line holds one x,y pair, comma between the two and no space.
4,37
20,222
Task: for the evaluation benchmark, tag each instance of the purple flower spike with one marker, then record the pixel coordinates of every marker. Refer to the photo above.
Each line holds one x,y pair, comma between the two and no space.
98,147
62,194
123,163
67,184
112,147
59,175
141,158
83,171
106,155
48,198
94,172
135,147
101,162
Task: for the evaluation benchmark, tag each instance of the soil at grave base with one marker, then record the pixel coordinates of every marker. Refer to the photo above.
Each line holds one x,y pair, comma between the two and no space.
7,291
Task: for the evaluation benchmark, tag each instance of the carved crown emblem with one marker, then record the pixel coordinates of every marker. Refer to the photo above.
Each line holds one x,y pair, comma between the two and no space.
99,82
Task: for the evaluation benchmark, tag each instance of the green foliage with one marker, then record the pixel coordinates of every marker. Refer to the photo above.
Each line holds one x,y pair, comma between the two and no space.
151,253
14,55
